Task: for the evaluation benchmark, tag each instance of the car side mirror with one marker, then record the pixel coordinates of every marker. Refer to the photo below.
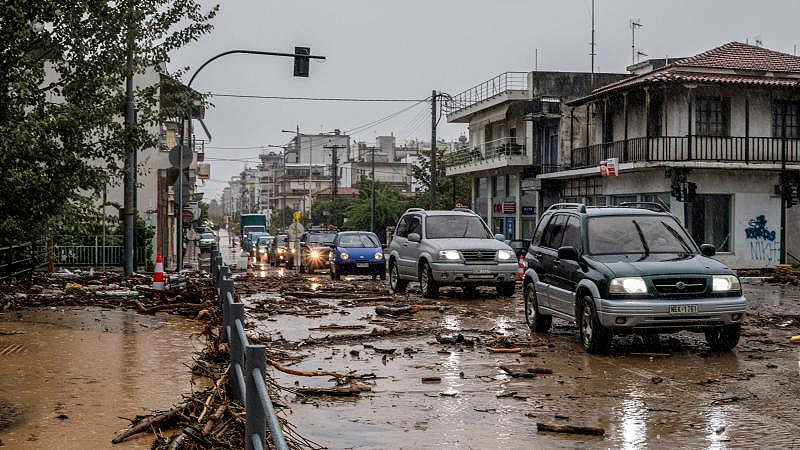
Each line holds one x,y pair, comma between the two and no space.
568,253
414,237
500,237
708,250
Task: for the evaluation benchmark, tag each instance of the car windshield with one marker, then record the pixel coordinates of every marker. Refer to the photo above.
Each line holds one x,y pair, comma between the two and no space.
263,240
359,241
614,235
280,240
456,226
322,238
207,236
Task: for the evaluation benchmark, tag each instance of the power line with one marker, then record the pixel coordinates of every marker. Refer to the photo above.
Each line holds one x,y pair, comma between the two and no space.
322,99
252,147
369,125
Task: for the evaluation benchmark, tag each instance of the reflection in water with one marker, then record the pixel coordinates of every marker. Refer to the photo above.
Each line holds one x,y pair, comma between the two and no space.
504,323
314,286
634,425
451,322
716,431
281,272
262,274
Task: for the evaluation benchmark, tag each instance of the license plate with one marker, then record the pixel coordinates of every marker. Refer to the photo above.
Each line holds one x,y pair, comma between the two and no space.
483,271
682,309
362,265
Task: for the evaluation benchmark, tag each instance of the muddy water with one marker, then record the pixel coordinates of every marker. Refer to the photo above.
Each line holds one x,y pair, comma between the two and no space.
688,398
74,372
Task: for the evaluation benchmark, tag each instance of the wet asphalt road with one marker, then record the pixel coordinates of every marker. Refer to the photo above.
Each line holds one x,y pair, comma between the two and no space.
670,394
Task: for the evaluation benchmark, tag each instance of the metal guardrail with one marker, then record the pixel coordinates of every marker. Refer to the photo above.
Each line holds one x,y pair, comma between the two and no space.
248,366
505,146
507,81
21,258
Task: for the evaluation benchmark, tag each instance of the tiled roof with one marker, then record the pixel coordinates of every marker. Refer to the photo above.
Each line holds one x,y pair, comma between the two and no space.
738,56
731,56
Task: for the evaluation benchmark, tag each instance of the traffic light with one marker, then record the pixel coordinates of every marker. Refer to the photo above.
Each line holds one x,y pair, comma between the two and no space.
301,63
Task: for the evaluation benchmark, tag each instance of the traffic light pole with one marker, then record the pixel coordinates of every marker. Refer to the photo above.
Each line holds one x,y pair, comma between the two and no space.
301,56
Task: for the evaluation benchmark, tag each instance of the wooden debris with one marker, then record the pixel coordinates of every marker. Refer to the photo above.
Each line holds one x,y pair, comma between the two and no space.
303,373
145,424
431,379
383,310
570,429
540,370
517,374
152,310
504,350
794,339
338,391
336,326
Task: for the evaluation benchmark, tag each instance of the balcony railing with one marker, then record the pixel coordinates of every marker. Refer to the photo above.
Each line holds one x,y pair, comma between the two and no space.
685,148
508,81
502,147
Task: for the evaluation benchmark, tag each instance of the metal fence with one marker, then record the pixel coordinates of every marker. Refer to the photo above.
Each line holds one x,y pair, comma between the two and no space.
507,81
90,251
22,258
248,366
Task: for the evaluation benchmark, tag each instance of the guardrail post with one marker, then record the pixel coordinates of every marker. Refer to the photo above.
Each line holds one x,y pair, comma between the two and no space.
225,289
236,349
255,366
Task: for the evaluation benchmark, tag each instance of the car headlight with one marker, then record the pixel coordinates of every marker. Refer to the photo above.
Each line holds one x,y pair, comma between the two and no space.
344,256
294,251
314,254
378,255
505,255
722,283
627,285
450,255
262,250
280,250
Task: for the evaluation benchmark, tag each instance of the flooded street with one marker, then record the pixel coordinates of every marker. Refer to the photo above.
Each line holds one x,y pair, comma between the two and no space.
74,374
437,381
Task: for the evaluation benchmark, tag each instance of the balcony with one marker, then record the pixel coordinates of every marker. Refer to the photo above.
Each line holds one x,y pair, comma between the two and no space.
504,87
689,148
493,154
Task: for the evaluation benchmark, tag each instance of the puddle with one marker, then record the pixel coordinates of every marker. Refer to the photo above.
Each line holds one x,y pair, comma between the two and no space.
73,372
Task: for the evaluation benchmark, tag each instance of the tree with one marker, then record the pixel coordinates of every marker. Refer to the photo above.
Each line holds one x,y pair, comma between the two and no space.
389,206
62,96
280,217
451,189
327,212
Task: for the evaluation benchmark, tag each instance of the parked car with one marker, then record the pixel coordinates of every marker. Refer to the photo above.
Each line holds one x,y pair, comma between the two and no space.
250,241
281,253
438,248
520,246
207,241
357,253
262,247
628,269
316,248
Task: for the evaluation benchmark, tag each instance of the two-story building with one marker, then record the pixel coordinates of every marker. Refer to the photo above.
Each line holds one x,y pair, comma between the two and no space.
706,136
514,127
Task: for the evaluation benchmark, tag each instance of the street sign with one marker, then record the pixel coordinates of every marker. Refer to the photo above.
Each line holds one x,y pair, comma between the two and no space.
176,188
188,215
609,167
175,156
296,229
297,216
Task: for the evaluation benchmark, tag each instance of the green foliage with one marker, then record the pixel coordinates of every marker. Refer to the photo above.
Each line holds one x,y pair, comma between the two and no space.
326,212
451,189
389,206
62,95
278,221
203,210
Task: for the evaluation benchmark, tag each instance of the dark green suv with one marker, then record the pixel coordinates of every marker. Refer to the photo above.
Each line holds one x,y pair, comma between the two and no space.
625,269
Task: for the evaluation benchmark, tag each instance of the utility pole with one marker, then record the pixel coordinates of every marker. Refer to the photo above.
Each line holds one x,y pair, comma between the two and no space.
434,181
784,185
335,167
129,201
372,199
592,52
634,24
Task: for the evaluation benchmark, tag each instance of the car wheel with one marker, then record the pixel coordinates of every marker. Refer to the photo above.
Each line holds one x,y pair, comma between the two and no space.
538,323
428,286
595,337
725,338
470,291
399,286
506,289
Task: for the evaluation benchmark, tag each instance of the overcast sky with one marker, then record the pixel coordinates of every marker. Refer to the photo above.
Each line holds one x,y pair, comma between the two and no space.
404,49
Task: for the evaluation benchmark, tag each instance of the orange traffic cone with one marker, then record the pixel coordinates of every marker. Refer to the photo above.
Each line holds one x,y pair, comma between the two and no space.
158,274
521,269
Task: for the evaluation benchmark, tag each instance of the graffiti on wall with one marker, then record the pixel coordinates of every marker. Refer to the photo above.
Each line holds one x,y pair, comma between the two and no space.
761,240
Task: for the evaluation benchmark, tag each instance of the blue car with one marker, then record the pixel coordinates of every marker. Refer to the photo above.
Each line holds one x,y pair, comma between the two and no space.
357,253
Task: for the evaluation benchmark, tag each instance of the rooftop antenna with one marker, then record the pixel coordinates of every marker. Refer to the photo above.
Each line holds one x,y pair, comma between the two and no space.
536,59
758,41
638,54
592,52
635,23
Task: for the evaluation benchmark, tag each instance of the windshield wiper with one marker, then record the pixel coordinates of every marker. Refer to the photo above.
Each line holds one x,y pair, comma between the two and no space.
466,229
677,236
641,237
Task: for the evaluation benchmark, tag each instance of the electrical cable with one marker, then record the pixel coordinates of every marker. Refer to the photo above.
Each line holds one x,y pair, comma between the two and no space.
323,99
358,129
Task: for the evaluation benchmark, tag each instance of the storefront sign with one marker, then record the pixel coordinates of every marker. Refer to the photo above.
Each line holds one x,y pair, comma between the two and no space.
528,210
609,167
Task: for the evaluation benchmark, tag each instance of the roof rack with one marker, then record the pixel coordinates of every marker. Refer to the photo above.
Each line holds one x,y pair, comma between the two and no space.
652,206
466,210
580,207
414,210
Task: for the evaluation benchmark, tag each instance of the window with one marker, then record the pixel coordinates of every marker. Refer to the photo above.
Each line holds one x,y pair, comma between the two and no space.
483,188
456,226
513,187
713,116
402,227
617,200
555,231
614,235
662,198
527,226
500,186
415,225
654,116
785,111
493,181
708,219
572,233
537,237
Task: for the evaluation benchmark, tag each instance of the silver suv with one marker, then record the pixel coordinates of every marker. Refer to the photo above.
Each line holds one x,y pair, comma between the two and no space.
456,247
